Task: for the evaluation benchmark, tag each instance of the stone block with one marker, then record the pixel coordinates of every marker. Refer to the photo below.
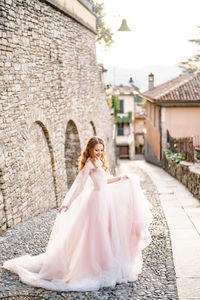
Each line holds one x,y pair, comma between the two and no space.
9,2
171,168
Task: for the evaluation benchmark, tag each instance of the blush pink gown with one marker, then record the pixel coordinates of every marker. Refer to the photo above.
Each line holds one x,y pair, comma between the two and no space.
97,242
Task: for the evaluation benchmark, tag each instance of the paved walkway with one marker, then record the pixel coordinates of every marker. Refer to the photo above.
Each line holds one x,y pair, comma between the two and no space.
157,280
182,212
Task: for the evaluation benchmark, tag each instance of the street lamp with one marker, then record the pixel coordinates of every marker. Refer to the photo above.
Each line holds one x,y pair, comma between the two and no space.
124,26
122,38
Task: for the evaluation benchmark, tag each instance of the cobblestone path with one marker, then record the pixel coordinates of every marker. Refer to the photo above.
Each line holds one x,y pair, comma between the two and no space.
157,280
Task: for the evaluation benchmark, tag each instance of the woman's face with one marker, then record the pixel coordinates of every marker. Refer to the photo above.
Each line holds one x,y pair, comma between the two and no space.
97,151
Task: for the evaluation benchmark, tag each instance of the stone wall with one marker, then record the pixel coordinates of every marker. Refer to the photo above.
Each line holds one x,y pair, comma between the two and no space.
51,102
185,172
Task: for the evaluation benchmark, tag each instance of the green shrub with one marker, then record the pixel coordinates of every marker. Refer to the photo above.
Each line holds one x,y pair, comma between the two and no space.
177,157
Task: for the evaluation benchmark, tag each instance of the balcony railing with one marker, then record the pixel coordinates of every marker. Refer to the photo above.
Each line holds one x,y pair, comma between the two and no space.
125,118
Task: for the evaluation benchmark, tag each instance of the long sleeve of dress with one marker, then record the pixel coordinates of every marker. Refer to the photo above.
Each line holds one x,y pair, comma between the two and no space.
78,184
75,195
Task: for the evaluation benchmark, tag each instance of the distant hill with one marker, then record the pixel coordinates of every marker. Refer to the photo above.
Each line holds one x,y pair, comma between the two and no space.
116,75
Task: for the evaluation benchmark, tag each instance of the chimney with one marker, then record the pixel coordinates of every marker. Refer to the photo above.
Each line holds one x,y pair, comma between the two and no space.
151,81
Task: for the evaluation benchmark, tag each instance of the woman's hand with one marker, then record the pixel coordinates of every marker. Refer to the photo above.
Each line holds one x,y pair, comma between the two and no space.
62,207
124,177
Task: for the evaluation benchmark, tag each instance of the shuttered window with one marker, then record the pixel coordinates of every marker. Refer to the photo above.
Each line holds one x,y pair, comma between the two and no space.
121,106
120,129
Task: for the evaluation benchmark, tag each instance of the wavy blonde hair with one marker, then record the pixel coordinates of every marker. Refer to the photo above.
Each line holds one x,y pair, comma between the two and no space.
86,153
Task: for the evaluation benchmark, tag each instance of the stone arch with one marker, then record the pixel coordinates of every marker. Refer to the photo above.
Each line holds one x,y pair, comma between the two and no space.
93,128
41,189
48,140
72,151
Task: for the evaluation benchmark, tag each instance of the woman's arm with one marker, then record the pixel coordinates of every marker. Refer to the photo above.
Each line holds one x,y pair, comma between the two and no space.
76,187
114,179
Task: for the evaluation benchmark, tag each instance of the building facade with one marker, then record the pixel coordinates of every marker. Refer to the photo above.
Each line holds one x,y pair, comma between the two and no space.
173,106
140,130
125,141
139,122
52,101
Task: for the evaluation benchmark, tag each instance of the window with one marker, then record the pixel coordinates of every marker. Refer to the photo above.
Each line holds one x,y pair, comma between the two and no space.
121,106
120,129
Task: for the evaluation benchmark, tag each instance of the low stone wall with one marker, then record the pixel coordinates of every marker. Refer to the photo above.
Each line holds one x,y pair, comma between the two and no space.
185,172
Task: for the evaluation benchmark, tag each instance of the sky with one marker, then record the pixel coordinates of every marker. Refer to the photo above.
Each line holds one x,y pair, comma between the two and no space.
160,30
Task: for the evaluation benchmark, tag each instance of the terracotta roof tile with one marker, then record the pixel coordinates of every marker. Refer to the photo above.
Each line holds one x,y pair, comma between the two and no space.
184,88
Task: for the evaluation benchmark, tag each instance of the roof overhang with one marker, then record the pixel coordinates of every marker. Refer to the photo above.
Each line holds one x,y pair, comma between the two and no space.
146,98
178,104
171,102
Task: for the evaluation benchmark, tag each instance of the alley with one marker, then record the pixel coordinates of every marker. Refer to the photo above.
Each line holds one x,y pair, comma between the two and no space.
110,82
158,278
182,212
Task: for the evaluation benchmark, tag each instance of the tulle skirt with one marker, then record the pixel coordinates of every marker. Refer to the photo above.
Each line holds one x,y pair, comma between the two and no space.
96,243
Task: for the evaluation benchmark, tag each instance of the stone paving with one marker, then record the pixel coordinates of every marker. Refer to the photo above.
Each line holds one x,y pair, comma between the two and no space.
182,212
157,280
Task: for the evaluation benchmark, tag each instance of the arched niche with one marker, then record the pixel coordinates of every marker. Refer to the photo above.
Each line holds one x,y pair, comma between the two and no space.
41,183
72,152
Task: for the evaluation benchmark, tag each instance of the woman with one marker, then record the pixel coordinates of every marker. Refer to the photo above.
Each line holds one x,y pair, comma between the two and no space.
98,234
